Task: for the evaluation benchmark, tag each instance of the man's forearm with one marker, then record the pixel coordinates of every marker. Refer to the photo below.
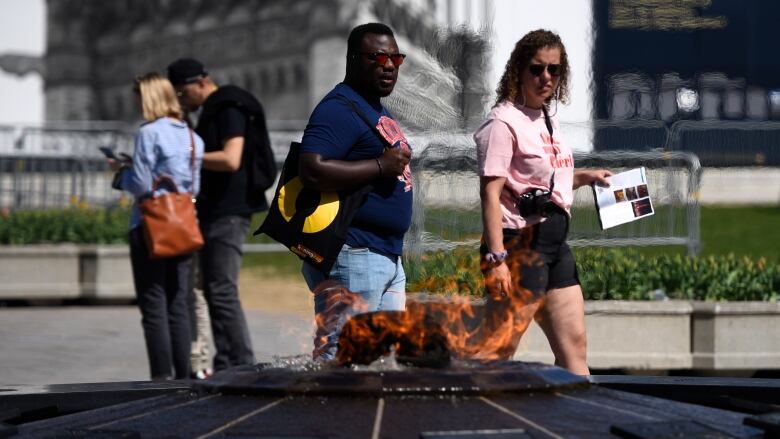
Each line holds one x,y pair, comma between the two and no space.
336,175
216,161
228,159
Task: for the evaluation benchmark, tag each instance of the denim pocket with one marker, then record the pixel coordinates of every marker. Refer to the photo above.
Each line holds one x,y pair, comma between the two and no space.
356,250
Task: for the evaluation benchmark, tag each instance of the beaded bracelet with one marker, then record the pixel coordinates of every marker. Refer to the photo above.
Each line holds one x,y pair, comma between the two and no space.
496,258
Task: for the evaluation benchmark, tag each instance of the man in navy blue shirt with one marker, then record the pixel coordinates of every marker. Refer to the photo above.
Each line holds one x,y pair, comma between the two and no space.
341,151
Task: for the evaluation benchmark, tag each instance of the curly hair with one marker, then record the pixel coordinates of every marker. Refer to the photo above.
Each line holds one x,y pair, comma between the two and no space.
510,86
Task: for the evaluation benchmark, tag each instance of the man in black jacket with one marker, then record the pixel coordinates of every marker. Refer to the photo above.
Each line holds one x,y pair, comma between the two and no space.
231,124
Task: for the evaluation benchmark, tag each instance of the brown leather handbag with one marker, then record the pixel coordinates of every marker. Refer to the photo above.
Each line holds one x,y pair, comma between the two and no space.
169,220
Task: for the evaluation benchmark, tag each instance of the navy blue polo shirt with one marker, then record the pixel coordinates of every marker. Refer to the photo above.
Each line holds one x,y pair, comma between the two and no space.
336,132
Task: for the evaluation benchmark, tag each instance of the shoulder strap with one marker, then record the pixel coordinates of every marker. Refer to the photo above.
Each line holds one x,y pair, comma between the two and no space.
548,122
365,118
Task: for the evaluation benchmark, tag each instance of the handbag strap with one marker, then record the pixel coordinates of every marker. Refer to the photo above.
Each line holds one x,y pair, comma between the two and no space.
192,156
166,179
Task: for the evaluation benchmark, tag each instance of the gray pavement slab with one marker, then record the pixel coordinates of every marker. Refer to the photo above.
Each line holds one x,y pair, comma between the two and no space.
59,345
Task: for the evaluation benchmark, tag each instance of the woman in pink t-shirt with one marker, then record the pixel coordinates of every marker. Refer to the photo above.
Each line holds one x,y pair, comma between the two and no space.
527,179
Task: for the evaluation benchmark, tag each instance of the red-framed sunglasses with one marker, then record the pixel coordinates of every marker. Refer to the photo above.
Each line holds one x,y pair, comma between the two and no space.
382,57
538,69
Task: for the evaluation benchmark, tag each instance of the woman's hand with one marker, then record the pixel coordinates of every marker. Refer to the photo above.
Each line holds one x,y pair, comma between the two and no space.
498,281
124,161
114,164
590,176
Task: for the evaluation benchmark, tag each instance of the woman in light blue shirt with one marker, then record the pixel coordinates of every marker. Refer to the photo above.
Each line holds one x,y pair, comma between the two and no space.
163,147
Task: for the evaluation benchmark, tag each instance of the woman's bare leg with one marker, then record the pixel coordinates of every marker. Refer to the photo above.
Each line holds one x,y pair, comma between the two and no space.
562,318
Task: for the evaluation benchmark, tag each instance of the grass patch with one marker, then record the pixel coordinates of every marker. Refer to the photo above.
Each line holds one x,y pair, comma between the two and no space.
262,238
275,265
281,265
743,231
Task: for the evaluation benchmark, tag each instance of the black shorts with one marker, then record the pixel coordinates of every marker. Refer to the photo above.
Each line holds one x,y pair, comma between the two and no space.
539,258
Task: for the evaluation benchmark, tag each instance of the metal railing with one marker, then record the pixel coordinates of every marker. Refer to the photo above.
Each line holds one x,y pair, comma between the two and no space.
41,183
447,208
728,143
674,179
59,166
55,167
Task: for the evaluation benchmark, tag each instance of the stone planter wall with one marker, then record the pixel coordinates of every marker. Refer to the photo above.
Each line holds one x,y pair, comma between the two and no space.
673,335
67,271
39,272
640,335
106,272
623,334
736,335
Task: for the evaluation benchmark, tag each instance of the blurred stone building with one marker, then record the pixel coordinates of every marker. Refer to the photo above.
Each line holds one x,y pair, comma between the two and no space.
288,52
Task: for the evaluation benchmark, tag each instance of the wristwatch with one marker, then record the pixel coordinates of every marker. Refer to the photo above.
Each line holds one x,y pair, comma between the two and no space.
496,258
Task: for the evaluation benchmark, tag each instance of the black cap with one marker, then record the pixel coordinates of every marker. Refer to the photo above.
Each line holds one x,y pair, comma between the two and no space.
185,70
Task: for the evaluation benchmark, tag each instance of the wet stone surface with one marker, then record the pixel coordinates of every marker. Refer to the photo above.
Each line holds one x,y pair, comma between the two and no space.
462,378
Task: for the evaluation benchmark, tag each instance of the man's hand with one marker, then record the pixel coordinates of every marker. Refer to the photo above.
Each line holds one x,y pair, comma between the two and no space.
393,161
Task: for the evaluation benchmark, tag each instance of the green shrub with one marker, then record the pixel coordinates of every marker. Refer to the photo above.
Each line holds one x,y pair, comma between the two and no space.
626,274
454,272
75,225
621,274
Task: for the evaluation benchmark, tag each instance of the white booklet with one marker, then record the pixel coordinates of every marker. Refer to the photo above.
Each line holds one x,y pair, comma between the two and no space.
626,199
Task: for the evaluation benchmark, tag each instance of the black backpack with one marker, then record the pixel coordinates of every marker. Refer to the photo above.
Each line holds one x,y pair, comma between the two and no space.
263,170
261,165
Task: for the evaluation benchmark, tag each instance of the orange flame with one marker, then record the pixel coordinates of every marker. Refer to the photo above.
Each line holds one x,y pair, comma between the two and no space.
338,300
433,330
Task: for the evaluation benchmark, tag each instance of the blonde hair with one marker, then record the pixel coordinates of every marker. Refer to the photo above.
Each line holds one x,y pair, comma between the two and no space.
158,98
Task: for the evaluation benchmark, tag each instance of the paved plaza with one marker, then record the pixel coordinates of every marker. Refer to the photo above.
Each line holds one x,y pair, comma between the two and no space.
79,344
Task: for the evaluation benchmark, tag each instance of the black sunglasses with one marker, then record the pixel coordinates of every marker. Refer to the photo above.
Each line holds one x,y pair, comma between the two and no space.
382,57
538,69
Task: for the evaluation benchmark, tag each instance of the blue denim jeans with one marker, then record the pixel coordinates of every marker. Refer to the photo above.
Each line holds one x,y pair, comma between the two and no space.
378,278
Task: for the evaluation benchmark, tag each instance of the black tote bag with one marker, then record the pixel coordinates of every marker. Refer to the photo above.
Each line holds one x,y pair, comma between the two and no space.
312,224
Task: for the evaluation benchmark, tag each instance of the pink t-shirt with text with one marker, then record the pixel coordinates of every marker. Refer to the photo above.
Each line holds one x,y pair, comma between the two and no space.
514,143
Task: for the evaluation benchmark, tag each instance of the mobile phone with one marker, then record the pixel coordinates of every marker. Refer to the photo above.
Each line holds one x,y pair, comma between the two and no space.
109,153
